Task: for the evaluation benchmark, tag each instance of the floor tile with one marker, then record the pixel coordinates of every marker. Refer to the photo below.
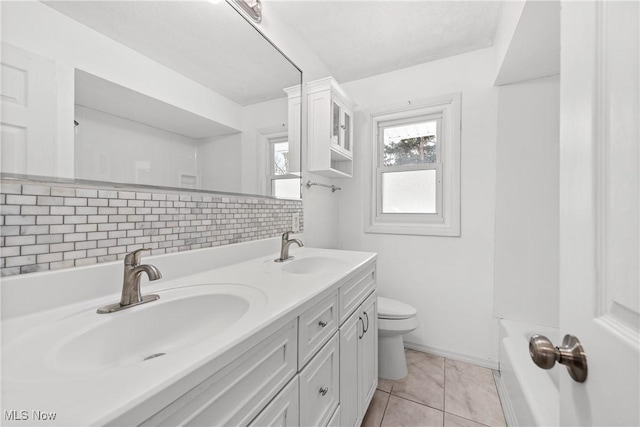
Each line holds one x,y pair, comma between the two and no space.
378,405
425,382
405,413
385,385
451,420
470,392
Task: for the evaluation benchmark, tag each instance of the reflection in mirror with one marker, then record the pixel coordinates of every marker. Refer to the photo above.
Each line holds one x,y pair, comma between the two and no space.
161,93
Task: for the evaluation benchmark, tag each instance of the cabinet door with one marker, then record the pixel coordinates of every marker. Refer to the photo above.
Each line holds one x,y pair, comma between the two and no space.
347,130
336,121
350,333
368,352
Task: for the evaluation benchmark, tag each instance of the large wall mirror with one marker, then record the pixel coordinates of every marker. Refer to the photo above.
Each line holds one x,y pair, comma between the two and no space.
181,94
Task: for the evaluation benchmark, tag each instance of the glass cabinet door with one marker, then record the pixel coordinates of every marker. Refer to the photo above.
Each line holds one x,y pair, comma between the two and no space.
346,127
335,122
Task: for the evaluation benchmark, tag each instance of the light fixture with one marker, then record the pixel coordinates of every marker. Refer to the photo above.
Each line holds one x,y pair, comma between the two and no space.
253,8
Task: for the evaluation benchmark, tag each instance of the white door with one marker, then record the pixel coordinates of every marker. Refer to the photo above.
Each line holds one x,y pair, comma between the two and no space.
28,122
599,216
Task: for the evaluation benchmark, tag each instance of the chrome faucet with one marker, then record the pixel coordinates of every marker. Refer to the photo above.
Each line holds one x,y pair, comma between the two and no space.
284,249
131,284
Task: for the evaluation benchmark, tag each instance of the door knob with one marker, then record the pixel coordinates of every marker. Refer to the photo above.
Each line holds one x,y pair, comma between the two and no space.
571,354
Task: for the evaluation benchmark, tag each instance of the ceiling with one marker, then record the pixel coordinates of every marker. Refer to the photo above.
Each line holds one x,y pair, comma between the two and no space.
213,45
209,43
357,39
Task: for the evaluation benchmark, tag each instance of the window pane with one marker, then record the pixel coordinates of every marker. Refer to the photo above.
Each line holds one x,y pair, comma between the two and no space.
410,144
409,192
287,188
280,158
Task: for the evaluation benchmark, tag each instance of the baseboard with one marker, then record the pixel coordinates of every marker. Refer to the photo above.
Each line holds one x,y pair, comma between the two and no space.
453,355
507,408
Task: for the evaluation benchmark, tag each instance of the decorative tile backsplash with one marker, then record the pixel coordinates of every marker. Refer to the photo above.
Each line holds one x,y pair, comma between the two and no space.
50,226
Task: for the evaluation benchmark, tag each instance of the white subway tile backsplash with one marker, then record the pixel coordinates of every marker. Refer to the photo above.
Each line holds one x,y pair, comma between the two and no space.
50,201
14,199
61,247
46,227
49,219
8,188
83,192
63,191
37,190
19,240
18,261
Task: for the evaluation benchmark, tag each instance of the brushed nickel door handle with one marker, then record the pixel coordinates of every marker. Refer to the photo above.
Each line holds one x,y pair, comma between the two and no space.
571,354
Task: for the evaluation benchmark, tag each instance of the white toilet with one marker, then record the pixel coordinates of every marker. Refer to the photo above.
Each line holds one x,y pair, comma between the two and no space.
395,319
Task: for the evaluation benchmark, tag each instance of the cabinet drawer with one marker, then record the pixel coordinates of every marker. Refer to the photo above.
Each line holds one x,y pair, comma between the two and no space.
235,394
355,291
315,326
284,409
319,386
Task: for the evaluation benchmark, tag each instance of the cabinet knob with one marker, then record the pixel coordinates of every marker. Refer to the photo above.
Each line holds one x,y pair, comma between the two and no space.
323,390
322,323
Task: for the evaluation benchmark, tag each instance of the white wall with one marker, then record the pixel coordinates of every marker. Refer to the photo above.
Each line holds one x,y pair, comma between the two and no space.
448,279
110,148
526,246
218,163
37,28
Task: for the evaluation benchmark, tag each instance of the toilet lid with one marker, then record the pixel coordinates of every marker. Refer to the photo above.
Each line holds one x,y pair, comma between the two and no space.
392,309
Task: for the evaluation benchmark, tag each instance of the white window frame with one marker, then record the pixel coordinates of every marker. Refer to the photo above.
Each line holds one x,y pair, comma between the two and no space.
446,220
271,139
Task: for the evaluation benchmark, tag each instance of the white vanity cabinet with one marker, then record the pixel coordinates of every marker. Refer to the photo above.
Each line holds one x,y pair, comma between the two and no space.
359,357
330,129
319,369
284,409
237,393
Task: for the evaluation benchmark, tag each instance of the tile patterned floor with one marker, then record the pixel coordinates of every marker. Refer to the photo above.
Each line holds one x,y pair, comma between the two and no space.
437,392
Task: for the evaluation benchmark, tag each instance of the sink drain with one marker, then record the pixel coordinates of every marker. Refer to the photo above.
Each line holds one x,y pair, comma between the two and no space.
153,356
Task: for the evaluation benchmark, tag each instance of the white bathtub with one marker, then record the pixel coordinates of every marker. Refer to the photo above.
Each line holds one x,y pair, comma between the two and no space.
529,394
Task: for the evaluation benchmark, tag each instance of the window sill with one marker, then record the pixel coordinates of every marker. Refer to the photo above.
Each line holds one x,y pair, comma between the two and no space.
445,230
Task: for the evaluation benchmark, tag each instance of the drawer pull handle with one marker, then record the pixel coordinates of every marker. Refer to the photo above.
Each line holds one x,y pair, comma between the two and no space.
323,391
363,331
322,323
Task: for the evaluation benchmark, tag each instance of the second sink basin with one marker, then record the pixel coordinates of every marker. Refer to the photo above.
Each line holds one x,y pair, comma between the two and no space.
312,265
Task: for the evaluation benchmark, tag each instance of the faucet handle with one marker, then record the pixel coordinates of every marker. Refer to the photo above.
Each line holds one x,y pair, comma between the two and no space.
285,235
133,258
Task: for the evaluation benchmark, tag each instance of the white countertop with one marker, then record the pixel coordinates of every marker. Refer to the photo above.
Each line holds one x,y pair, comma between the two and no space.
125,395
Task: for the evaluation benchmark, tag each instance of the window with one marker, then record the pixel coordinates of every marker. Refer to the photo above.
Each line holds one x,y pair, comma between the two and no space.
282,182
416,167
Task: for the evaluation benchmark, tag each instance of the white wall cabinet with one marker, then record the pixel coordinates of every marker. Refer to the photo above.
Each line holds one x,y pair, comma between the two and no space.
330,129
320,369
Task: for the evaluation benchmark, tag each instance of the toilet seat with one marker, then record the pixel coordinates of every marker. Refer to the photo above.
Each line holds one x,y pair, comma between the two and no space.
391,309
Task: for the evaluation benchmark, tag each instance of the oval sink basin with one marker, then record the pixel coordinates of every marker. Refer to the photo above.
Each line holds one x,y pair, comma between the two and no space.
312,265
182,317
